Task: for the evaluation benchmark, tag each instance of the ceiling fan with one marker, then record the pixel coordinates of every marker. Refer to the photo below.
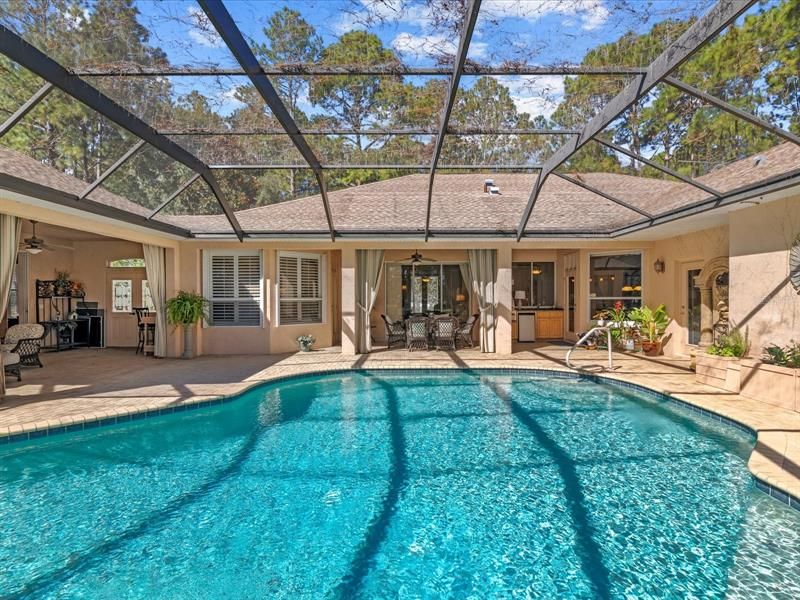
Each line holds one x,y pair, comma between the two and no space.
417,258
34,245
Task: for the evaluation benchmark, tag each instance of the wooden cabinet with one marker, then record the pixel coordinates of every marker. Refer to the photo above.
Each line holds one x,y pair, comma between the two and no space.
549,324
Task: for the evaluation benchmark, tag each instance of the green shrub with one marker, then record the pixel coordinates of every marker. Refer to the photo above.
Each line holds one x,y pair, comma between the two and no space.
787,356
732,344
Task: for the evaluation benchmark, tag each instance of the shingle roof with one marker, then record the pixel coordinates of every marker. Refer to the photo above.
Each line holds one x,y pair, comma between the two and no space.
458,201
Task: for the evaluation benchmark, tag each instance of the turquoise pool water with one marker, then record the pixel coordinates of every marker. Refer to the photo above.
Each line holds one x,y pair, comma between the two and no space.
398,485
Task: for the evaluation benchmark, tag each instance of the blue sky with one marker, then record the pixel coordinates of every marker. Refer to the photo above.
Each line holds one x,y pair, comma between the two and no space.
544,32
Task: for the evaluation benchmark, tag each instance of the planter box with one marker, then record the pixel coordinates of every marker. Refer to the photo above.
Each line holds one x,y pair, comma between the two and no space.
778,386
721,372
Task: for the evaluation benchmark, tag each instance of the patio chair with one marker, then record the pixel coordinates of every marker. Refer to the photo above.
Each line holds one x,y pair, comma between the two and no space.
395,331
444,333
417,333
25,340
464,334
11,364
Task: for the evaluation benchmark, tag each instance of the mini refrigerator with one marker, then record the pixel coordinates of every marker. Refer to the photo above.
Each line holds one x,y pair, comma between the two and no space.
526,326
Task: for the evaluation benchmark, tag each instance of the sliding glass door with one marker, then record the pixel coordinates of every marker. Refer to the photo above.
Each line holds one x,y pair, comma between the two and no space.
430,288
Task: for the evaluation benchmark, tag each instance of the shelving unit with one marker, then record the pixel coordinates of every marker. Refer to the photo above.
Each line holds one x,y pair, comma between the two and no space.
54,304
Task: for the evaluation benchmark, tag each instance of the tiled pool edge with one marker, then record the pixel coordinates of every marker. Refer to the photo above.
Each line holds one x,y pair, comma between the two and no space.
35,430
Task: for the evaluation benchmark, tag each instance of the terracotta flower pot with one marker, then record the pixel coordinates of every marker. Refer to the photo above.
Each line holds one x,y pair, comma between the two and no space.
651,348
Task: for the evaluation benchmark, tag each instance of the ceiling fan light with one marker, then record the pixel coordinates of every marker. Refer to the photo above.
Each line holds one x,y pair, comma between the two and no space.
33,250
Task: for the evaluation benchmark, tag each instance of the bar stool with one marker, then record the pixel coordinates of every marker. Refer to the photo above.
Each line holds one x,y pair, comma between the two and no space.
148,334
140,314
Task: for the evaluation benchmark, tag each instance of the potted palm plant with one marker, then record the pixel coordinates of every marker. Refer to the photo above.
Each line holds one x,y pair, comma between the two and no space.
652,324
186,310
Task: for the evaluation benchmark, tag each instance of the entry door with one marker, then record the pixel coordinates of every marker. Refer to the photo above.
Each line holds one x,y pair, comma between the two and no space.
123,294
690,304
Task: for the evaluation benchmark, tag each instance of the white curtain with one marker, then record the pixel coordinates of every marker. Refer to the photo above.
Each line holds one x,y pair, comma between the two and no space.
10,228
155,263
483,272
369,264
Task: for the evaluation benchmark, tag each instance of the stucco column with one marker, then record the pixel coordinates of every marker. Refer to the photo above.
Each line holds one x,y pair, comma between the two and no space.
504,301
174,335
706,317
348,301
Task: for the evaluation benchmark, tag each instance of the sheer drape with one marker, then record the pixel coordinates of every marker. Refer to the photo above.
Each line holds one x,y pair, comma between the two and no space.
483,273
155,263
369,264
10,228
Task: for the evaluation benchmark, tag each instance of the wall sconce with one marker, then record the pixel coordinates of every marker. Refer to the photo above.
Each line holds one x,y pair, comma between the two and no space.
659,266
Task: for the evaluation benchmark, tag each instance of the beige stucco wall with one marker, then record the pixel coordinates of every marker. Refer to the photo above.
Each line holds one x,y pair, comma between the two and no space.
679,253
269,338
757,240
86,263
761,297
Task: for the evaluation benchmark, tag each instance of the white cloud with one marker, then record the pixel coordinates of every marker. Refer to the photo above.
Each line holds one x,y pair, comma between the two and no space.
201,31
420,46
225,101
537,95
75,17
591,14
375,12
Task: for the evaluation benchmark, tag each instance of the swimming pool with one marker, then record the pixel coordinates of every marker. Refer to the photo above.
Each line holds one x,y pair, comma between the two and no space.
385,484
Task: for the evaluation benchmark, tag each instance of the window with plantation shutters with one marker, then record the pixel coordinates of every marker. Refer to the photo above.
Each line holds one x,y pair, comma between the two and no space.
233,288
300,288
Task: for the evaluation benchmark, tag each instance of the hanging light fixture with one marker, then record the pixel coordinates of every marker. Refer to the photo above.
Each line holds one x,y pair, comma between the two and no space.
536,270
627,287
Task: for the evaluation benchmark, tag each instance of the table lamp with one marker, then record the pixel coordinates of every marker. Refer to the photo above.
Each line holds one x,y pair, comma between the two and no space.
519,296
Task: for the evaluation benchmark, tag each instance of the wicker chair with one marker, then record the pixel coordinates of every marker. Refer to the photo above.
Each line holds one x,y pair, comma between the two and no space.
444,333
395,331
26,341
11,364
464,334
417,333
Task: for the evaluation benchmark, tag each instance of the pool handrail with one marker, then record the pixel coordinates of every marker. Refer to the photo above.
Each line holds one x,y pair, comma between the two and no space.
586,336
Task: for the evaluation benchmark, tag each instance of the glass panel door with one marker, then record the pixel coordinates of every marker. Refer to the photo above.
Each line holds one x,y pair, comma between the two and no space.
426,289
692,308
571,304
